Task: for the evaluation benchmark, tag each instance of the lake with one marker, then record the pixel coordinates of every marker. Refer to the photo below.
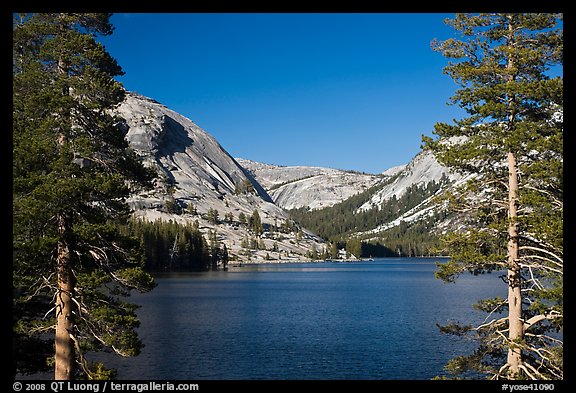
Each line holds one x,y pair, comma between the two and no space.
305,321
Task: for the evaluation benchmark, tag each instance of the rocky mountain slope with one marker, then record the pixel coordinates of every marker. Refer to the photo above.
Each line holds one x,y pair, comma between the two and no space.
197,177
420,171
292,187
402,195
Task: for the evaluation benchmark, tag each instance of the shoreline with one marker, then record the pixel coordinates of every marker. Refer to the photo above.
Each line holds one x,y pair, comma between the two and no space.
288,261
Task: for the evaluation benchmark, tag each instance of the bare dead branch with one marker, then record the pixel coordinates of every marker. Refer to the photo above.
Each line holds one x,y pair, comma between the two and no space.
559,259
537,318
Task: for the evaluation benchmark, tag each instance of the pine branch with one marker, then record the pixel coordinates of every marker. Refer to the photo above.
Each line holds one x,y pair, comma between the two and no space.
541,317
560,260
494,322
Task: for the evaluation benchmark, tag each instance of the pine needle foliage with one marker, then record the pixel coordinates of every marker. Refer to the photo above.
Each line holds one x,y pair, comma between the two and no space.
72,172
511,147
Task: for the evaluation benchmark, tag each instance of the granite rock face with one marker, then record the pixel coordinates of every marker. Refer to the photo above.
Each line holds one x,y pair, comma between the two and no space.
292,187
421,170
198,175
318,188
315,187
186,156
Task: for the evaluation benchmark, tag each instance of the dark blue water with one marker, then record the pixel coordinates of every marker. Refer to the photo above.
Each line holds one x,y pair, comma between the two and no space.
355,320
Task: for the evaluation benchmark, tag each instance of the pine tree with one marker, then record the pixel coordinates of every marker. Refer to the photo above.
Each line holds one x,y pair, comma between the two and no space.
256,223
242,218
213,216
72,170
511,144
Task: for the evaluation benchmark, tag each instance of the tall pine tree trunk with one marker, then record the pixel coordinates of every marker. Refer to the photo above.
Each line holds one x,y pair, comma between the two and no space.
515,324
65,307
65,358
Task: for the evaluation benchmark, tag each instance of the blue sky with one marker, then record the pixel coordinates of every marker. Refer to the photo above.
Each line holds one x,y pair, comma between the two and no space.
347,91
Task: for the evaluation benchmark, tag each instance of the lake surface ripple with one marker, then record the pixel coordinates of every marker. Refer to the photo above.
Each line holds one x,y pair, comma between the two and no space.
332,320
